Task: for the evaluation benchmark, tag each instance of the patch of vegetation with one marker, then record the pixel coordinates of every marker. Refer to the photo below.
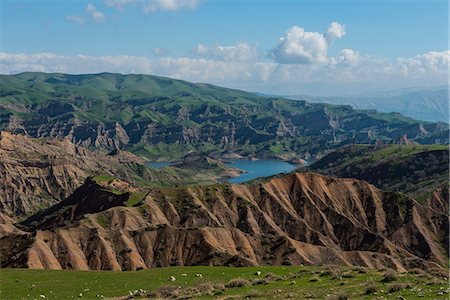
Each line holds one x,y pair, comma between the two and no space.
135,198
103,220
103,178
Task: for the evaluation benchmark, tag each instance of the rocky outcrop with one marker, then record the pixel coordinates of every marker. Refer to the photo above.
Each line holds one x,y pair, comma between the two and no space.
300,218
37,173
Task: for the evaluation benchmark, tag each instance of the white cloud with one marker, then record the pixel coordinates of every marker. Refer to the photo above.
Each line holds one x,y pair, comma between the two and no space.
169,5
334,31
348,57
94,13
347,70
76,19
304,47
433,61
238,52
118,4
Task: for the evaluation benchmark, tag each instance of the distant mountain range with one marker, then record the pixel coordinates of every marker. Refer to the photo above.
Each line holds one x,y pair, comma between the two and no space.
421,104
161,118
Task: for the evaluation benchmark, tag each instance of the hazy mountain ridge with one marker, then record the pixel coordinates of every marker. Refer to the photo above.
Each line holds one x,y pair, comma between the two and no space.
421,104
162,118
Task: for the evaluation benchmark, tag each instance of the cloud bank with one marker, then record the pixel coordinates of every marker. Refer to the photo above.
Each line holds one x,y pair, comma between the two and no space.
238,52
344,72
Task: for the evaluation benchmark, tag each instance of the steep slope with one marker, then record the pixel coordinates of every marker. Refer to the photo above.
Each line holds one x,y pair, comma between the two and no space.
162,118
300,218
37,173
412,169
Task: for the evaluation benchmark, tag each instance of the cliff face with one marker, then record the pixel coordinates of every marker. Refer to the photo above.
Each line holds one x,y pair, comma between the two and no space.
37,173
299,218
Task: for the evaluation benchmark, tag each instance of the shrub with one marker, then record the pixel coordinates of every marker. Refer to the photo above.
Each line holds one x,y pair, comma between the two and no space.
360,270
205,287
237,283
332,271
219,286
271,276
389,276
395,288
342,297
370,289
167,291
261,281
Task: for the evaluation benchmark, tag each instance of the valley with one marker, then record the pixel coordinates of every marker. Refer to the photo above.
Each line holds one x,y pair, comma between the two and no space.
196,149
158,177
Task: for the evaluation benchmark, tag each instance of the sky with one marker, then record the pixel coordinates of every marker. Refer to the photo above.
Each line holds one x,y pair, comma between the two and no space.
286,47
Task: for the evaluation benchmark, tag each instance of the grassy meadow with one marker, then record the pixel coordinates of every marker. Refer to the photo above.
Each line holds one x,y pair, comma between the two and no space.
223,283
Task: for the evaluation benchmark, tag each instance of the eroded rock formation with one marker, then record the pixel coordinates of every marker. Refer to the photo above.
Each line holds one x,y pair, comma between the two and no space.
300,218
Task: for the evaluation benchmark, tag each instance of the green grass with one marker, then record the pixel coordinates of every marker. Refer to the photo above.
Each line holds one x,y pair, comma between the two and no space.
103,178
103,221
402,151
135,198
292,282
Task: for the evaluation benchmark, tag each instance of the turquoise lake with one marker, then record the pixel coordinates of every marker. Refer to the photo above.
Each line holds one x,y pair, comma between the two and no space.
258,168
253,168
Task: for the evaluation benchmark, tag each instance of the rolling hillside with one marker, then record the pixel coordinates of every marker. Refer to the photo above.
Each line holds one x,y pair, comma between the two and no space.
161,118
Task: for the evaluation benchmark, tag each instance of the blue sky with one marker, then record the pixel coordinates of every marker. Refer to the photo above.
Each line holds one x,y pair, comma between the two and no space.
211,40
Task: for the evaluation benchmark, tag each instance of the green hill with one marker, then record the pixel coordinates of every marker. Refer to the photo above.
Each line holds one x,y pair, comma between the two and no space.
417,170
162,118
